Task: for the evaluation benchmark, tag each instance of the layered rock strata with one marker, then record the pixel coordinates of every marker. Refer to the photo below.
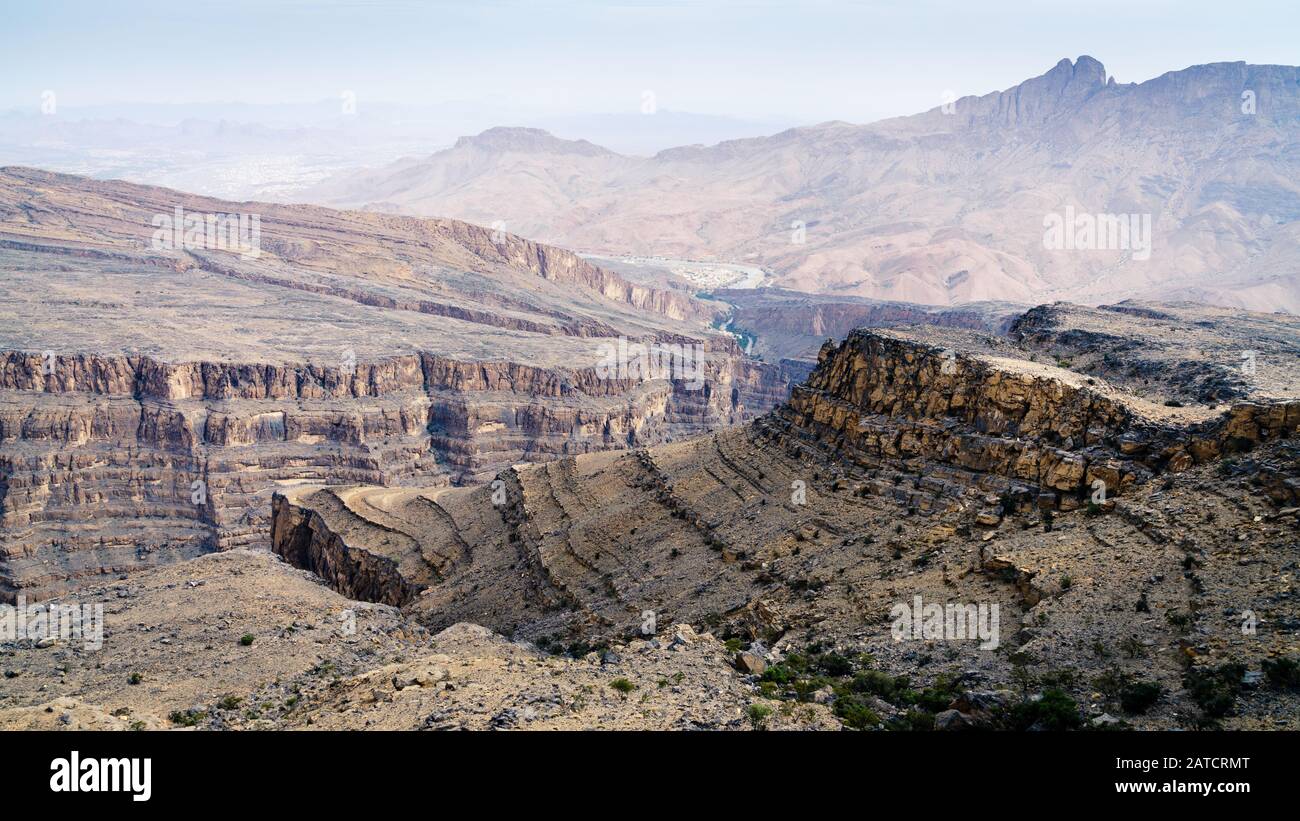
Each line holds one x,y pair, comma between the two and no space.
886,426
152,396
877,399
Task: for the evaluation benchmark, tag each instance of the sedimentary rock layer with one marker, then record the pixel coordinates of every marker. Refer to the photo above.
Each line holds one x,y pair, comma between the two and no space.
153,395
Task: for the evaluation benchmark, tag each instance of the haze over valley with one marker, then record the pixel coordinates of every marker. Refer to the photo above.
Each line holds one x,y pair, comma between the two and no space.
943,207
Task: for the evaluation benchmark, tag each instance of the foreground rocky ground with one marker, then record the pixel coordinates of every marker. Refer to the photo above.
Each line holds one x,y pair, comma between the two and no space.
240,640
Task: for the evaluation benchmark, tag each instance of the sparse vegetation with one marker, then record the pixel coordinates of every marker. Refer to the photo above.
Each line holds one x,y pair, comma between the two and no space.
853,711
623,686
1140,696
1053,710
187,718
1283,673
1214,689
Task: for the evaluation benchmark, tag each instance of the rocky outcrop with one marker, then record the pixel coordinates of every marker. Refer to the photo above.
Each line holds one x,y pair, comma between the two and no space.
875,399
904,474
356,574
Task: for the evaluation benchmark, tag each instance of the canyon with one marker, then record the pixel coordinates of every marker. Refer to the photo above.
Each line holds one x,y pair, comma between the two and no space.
379,471
1107,519
153,397
1123,509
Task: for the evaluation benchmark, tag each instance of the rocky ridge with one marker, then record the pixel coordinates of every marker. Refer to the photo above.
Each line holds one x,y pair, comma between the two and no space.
902,468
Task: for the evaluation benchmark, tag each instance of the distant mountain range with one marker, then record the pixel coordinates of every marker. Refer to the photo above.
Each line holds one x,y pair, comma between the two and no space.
1067,186
244,151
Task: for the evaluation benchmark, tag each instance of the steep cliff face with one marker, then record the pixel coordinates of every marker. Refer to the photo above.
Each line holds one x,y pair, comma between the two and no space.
112,463
876,398
886,421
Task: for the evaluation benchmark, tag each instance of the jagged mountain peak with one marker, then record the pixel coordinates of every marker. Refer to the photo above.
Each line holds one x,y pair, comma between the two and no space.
1062,89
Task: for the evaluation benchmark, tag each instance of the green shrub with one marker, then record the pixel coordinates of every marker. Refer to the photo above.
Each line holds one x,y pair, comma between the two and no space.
758,714
833,664
804,688
1282,672
246,639
1054,710
780,673
1063,679
933,700
623,686
938,695
913,721
1139,696
854,712
134,678
1214,689
229,702
888,687
1112,682
187,718
1133,647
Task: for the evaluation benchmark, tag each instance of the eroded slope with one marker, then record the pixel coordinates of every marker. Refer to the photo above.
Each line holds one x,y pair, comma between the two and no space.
901,469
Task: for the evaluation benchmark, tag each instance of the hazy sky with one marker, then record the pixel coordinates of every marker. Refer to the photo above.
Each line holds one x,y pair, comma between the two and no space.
798,61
